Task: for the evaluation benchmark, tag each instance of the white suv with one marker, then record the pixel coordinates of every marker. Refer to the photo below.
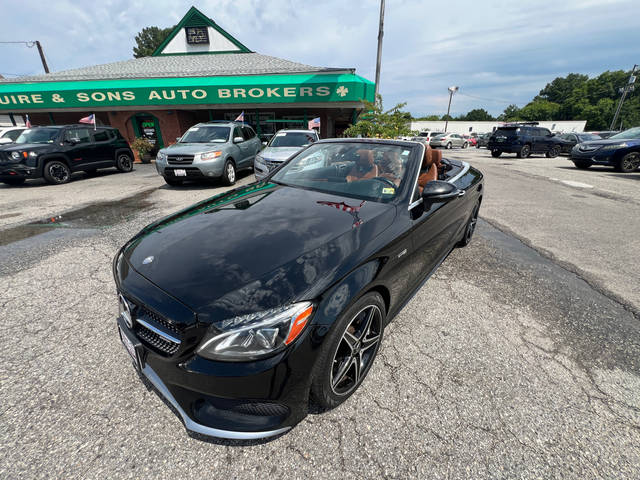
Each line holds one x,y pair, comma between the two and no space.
9,134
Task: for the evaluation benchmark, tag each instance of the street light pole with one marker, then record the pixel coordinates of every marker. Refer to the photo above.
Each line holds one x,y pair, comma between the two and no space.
44,61
624,90
452,90
379,59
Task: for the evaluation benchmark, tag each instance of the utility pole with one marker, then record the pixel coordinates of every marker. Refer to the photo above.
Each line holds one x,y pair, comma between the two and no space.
452,90
624,90
44,61
378,61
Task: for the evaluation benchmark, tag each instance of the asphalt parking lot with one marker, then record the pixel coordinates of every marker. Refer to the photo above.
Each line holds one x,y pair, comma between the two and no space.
520,358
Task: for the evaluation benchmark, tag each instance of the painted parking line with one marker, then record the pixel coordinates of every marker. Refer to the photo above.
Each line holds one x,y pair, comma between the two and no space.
571,183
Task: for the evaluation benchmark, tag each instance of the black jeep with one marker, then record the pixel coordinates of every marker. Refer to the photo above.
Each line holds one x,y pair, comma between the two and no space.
55,152
524,139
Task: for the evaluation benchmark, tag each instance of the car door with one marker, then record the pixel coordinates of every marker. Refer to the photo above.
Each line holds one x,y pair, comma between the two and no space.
103,146
546,140
79,147
243,147
254,143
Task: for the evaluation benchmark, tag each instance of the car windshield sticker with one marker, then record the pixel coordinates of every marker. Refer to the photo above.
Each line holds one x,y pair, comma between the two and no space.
405,152
283,134
388,191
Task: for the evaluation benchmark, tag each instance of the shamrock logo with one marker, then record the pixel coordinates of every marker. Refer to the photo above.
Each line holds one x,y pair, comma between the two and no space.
342,90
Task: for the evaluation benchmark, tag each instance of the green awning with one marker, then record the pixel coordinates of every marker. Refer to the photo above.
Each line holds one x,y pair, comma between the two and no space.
248,89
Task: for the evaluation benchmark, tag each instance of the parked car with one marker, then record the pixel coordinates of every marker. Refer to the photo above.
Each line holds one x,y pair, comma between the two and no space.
55,152
605,133
621,151
237,342
210,150
423,140
483,140
429,135
524,139
449,140
10,134
570,140
282,145
471,140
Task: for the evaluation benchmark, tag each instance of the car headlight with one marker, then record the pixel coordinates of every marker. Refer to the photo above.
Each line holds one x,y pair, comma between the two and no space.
252,336
614,147
207,156
259,158
15,155
161,156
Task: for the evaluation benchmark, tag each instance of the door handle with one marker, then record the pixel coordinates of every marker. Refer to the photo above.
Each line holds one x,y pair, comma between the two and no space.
462,192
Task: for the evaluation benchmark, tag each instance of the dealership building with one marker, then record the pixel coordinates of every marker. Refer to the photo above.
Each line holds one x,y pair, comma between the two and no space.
199,73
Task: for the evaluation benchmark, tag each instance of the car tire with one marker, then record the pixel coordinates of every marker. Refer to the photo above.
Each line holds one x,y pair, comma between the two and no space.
174,182
629,162
524,152
56,172
470,228
554,152
14,181
465,145
449,146
496,153
229,173
349,351
124,162
582,165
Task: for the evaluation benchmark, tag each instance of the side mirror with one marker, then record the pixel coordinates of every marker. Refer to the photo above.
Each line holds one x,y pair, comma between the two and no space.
238,139
5,140
264,144
440,191
178,139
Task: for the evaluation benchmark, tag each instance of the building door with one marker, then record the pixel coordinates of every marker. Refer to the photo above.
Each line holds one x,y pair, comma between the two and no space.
147,126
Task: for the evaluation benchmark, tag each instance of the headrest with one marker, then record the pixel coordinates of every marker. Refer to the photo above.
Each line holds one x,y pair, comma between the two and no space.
431,156
366,156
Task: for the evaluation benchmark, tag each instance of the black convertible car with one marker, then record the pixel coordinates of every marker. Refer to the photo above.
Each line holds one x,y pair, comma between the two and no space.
245,307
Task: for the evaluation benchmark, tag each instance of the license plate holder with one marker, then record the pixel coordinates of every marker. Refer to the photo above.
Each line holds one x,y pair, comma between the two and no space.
133,348
180,172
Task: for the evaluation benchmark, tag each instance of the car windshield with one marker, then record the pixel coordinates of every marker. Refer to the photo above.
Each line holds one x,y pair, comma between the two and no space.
631,134
367,171
292,139
585,137
206,135
38,135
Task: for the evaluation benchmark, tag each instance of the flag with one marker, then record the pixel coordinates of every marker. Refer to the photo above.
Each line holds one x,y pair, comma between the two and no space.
28,122
240,117
91,120
314,123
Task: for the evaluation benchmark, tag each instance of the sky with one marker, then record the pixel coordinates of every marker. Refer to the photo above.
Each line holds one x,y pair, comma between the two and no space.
497,52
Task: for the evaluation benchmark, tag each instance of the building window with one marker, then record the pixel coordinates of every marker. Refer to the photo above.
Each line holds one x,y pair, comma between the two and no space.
197,35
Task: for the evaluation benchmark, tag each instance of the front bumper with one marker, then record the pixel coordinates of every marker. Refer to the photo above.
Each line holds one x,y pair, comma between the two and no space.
212,169
264,167
17,170
596,157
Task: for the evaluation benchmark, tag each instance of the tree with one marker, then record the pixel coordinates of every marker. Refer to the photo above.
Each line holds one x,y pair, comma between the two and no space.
375,122
429,118
478,115
149,39
510,114
540,110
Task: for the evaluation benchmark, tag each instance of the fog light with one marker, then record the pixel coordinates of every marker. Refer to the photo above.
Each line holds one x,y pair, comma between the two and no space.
210,174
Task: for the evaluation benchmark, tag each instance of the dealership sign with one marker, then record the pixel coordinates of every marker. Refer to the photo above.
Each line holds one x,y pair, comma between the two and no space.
186,91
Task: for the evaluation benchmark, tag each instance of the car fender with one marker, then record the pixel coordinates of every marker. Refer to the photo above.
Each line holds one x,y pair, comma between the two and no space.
123,150
42,160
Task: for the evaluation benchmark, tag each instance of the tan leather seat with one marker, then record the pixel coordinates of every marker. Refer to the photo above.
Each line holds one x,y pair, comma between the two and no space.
364,167
431,162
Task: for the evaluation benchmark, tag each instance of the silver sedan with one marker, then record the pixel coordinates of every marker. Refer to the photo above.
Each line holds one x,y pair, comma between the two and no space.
449,140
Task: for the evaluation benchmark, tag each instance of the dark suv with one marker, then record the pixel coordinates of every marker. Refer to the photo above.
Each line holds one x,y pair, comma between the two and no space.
55,152
523,139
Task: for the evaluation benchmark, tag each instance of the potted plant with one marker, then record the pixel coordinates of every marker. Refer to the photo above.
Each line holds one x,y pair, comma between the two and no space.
143,147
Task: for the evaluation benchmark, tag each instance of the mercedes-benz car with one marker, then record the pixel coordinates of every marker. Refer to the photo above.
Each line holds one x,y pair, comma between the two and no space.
212,150
279,292
282,145
621,151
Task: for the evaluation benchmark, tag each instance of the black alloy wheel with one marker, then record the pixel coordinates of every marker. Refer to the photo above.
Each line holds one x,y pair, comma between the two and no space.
229,173
14,181
581,165
629,162
174,182
56,172
524,151
124,163
496,153
349,351
471,227
553,152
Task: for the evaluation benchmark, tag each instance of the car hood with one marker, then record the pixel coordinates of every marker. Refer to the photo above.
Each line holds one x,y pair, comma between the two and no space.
611,141
256,248
279,154
192,148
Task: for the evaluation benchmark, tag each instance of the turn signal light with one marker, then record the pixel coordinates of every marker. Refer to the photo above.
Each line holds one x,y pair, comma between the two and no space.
298,325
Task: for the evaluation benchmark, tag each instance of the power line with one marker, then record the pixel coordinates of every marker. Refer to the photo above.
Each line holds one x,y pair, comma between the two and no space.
31,44
487,99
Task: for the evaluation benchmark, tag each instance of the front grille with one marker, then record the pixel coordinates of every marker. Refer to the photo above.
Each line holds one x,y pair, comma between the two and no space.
143,312
155,341
271,165
180,159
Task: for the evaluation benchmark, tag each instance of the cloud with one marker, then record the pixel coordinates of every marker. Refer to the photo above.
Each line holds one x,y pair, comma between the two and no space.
498,52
